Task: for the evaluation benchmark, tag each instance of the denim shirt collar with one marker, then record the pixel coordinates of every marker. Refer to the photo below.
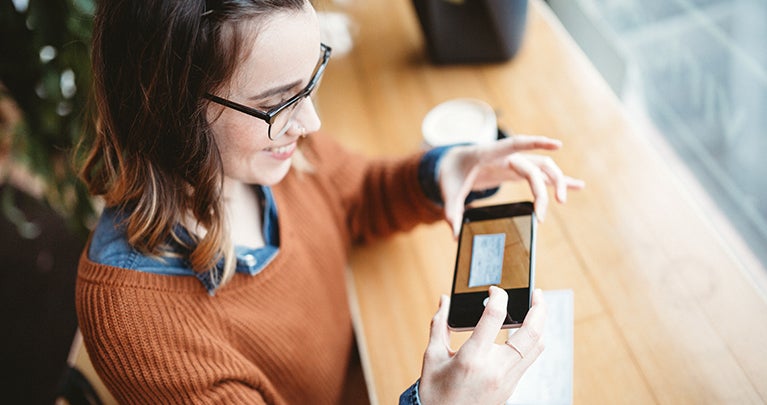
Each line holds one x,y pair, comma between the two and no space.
109,246
250,261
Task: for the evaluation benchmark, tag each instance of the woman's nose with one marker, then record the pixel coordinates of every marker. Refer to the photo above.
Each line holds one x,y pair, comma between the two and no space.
306,119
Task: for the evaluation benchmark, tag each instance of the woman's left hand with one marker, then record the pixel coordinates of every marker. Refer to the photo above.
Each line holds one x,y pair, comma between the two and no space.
480,167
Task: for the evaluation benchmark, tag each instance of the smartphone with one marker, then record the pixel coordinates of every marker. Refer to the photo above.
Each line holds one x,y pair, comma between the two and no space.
496,246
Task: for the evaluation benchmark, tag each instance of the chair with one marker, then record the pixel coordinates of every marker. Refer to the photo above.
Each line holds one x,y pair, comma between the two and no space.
80,384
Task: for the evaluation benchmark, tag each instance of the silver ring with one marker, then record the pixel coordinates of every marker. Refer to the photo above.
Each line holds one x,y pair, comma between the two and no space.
510,344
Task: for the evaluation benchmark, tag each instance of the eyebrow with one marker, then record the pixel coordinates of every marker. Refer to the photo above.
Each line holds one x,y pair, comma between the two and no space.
276,90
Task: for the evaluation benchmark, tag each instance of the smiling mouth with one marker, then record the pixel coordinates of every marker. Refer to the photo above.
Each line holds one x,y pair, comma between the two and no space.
281,149
281,152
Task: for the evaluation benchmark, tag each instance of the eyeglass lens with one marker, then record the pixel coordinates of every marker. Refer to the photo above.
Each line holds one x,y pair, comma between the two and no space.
284,119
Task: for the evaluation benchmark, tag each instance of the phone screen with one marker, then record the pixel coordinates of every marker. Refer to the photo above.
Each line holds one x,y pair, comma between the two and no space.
496,247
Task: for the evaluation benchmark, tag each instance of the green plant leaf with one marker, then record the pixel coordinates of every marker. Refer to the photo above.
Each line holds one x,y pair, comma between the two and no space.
87,7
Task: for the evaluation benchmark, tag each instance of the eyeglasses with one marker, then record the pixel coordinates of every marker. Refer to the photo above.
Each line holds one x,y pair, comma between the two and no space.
280,118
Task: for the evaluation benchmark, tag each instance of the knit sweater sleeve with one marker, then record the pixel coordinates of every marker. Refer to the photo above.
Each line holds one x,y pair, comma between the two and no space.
378,196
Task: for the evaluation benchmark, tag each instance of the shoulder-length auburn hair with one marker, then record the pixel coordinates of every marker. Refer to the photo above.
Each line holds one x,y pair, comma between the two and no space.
152,153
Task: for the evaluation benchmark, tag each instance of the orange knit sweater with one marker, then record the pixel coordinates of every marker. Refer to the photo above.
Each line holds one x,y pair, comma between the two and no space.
281,336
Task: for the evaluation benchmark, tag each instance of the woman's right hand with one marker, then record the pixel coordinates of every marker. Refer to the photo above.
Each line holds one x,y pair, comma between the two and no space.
481,371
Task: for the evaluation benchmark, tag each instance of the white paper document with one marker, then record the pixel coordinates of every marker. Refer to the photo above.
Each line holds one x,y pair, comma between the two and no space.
549,381
486,259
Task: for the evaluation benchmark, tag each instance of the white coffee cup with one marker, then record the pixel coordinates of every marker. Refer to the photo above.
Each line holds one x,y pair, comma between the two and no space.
461,120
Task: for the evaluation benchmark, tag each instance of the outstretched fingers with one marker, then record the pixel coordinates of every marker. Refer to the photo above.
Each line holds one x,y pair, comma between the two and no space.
518,143
536,178
556,178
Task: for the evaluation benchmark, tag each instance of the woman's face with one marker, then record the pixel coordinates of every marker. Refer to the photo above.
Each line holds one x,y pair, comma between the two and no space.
278,66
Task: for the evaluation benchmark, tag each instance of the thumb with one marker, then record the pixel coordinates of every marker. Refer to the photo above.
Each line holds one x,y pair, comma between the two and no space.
454,198
454,216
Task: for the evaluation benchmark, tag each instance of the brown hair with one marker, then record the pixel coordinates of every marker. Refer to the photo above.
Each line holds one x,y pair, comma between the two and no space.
153,154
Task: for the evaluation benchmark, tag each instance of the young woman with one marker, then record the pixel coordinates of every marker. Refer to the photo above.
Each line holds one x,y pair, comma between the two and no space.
216,271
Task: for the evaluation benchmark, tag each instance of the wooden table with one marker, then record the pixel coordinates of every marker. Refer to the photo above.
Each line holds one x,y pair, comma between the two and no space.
669,305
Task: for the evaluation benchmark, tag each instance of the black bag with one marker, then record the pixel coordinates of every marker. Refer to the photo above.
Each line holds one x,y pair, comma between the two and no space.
470,31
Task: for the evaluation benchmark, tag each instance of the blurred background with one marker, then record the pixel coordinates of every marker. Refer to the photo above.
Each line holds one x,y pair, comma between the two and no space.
45,212
695,71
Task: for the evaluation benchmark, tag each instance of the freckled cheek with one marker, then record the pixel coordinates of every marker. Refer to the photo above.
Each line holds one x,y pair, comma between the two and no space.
241,147
237,155
239,139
